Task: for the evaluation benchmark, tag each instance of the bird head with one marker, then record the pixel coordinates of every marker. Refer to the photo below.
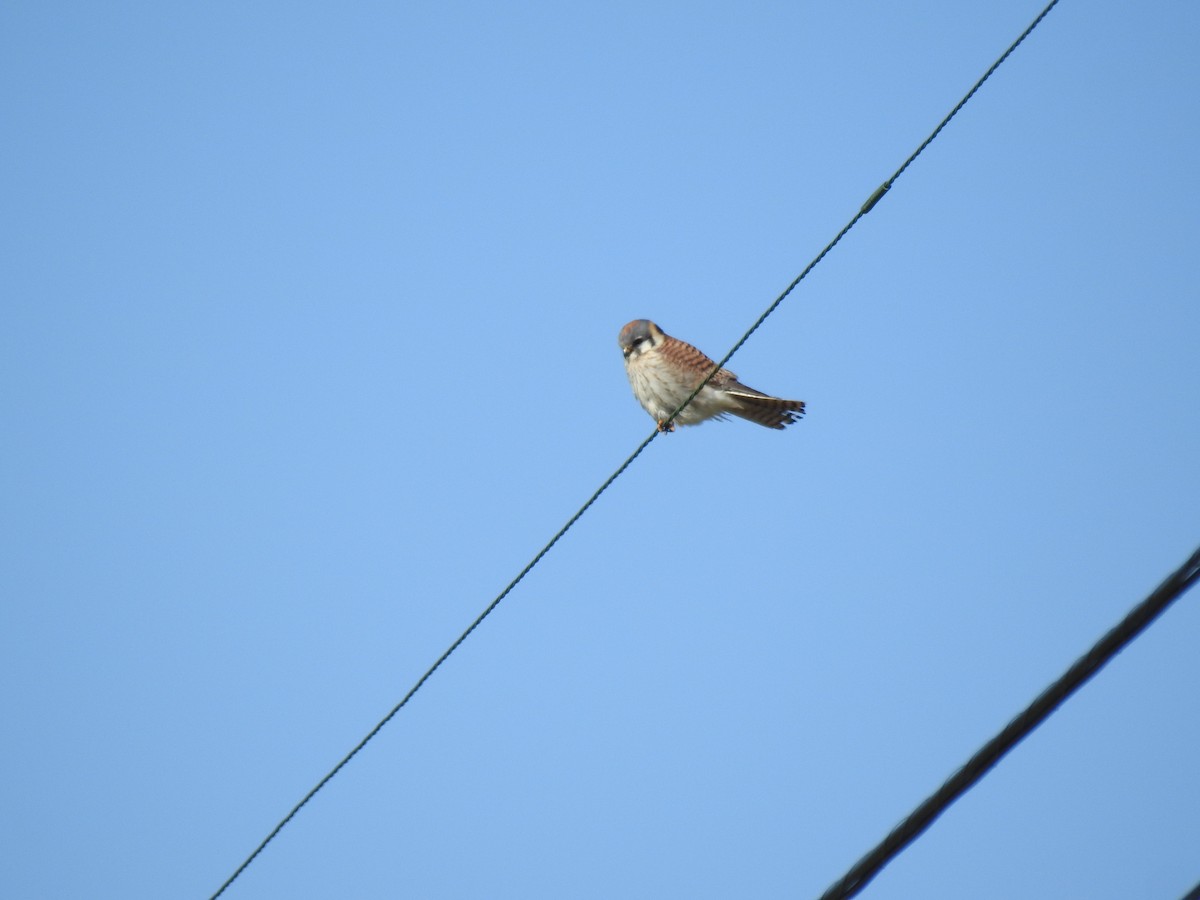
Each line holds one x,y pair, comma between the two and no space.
639,336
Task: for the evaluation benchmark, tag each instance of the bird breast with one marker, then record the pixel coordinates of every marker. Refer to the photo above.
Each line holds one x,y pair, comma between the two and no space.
660,388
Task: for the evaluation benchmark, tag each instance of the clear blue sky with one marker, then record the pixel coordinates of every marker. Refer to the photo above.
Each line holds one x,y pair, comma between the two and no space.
308,343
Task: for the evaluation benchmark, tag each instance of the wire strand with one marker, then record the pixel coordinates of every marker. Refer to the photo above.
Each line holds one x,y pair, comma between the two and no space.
1138,619
866,207
441,659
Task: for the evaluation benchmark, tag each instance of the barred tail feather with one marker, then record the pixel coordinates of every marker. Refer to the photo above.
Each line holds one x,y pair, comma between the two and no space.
771,412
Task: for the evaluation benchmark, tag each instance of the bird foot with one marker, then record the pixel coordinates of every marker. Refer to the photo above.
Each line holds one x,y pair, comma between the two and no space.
666,427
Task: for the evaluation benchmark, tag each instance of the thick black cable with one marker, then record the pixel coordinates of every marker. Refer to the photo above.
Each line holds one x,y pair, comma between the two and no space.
866,208
1018,729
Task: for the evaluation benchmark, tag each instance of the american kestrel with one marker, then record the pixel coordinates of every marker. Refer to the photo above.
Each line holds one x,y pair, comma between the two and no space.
664,371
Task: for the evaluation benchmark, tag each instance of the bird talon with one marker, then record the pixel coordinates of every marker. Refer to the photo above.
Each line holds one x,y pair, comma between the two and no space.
665,427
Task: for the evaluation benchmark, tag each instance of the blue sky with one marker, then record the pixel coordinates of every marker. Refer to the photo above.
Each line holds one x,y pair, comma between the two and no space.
309,344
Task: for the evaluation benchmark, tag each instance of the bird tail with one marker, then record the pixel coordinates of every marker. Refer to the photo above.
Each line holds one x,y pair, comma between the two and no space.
771,412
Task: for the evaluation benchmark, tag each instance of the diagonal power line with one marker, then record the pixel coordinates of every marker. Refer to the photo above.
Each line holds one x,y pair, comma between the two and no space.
441,659
866,208
871,201
1137,621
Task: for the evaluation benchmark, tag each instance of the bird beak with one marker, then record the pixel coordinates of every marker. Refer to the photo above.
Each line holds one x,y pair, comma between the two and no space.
625,351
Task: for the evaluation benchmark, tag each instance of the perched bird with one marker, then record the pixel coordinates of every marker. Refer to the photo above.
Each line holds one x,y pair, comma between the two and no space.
664,371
